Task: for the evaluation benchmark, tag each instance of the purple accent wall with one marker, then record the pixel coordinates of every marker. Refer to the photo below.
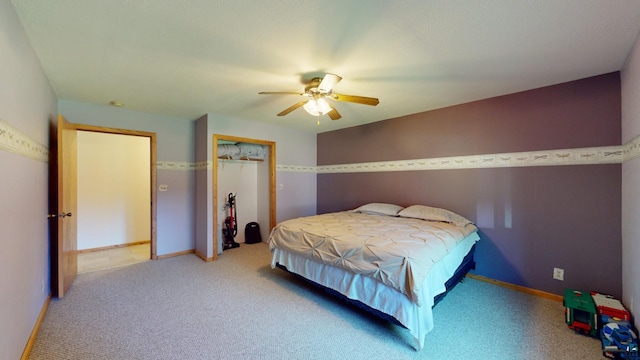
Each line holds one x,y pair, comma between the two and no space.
203,229
577,114
531,219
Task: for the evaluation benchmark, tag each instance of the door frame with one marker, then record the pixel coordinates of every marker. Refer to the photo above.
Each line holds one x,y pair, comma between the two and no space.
272,181
153,253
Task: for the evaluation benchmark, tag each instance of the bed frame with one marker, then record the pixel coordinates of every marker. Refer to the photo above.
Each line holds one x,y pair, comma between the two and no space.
468,264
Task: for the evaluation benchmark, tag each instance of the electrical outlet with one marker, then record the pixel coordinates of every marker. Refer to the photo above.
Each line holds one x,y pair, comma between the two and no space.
558,274
42,286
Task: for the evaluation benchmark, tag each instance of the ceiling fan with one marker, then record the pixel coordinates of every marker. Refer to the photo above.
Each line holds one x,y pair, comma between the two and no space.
317,91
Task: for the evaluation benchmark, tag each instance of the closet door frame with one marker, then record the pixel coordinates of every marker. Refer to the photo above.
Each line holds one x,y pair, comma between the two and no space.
272,181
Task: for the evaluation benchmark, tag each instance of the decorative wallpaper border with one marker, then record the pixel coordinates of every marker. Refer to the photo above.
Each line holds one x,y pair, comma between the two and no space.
204,165
582,156
175,165
14,141
632,149
297,168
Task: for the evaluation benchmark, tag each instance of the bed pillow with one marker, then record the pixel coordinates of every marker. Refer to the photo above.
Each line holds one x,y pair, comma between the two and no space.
433,214
379,209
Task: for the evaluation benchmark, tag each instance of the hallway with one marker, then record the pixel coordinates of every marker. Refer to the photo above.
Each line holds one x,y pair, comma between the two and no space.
106,259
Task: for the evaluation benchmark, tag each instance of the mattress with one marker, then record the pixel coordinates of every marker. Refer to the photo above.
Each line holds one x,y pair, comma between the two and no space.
396,251
320,249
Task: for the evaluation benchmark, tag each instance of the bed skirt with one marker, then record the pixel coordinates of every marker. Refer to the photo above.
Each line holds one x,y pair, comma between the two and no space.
380,299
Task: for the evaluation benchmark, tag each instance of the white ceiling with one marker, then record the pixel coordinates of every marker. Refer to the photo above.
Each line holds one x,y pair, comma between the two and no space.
186,58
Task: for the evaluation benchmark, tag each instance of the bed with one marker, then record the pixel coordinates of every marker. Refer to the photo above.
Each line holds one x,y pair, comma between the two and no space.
395,261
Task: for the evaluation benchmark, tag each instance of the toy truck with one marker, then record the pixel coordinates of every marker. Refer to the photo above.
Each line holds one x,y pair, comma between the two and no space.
609,306
619,340
580,311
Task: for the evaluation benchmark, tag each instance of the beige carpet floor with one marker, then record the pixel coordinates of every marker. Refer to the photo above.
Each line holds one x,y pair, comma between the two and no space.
240,308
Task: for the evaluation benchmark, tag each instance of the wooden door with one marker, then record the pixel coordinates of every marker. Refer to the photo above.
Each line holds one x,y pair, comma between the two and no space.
64,263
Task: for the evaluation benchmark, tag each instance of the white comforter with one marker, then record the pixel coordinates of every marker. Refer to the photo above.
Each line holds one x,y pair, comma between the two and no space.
399,252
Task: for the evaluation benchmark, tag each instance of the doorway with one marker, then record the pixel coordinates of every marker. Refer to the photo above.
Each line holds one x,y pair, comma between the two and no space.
132,224
63,196
113,200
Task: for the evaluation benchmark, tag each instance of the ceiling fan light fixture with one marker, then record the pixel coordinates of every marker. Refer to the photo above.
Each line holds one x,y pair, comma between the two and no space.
317,107
316,93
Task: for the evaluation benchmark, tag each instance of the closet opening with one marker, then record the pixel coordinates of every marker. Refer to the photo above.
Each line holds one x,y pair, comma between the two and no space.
246,169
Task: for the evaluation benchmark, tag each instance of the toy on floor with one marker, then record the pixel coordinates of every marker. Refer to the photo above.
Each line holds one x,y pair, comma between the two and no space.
619,341
602,316
607,305
580,311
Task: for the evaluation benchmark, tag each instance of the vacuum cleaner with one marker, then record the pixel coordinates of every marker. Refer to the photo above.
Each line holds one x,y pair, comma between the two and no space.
230,229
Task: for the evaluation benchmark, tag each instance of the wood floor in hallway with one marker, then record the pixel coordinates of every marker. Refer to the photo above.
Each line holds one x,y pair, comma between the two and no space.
112,258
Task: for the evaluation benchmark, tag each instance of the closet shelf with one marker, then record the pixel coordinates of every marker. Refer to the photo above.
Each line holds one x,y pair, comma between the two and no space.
241,151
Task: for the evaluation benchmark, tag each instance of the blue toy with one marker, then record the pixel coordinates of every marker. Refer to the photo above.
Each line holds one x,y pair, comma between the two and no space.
619,341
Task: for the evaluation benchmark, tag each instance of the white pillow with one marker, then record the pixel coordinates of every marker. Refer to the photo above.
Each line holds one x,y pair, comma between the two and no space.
379,209
433,214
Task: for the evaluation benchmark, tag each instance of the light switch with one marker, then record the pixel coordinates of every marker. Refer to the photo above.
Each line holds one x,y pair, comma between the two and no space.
163,187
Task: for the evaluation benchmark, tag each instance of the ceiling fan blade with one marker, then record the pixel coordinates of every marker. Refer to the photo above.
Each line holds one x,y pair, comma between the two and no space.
333,114
280,93
292,107
356,99
328,82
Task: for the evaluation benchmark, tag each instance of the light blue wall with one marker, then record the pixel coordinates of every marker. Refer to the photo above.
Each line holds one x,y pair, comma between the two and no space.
27,102
294,149
174,135
180,208
295,188
175,143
